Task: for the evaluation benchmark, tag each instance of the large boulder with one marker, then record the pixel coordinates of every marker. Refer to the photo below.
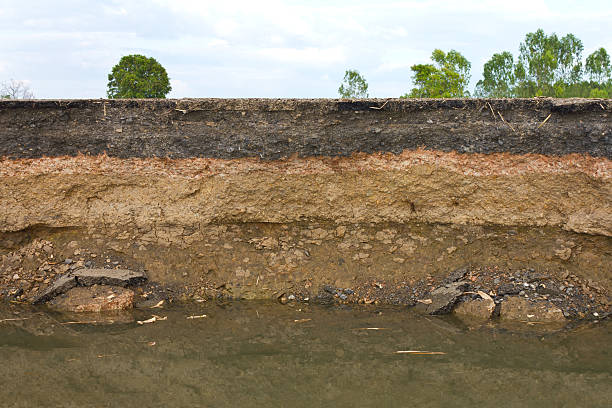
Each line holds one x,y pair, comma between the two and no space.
519,308
97,298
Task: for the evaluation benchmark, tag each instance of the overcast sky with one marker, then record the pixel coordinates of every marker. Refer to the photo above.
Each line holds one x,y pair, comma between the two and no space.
66,48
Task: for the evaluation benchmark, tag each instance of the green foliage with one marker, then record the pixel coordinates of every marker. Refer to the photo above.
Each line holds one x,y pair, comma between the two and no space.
136,76
498,77
598,66
547,66
448,78
353,85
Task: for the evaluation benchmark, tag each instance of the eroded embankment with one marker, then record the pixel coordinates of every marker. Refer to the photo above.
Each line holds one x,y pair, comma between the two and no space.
384,226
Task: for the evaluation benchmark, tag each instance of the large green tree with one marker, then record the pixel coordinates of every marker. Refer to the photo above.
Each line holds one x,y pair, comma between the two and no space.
498,79
547,64
353,85
136,76
448,77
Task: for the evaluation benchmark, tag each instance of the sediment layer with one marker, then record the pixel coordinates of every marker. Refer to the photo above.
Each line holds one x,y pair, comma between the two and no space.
571,192
275,128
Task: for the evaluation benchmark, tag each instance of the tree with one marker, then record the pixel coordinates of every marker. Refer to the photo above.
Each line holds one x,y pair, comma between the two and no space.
136,76
498,77
448,78
15,90
598,66
548,65
353,86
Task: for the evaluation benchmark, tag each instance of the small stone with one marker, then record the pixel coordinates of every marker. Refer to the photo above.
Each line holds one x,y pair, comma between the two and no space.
15,277
496,281
291,297
564,253
349,291
329,289
445,297
67,261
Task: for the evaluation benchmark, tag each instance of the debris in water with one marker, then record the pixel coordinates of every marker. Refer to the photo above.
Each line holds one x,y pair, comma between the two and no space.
418,352
153,319
301,320
197,317
13,320
372,328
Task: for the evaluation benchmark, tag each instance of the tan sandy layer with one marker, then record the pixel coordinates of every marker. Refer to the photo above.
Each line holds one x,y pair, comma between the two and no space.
571,192
474,164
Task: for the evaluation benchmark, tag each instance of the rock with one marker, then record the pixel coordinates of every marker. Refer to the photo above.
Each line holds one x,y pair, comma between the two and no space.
481,309
97,298
113,277
518,308
456,275
564,253
90,277
329,289
62,285
508,289
445,297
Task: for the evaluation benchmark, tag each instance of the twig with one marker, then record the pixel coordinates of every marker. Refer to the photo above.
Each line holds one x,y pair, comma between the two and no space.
379,108
602,107
196,317
504,120
372,328
417,352
490,107
545,120
14,319
85,322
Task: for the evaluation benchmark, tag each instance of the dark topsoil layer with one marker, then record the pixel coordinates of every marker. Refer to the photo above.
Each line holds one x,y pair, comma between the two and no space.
276,128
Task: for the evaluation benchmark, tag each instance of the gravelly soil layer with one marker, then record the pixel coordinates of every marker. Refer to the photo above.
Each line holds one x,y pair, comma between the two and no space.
276,128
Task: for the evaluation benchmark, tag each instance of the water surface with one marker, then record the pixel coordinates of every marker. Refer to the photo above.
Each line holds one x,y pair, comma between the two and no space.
265,354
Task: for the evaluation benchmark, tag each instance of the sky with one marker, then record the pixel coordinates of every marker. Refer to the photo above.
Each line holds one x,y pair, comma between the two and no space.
272,49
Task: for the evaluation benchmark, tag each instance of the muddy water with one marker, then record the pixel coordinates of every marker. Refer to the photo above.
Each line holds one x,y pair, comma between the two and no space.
266,354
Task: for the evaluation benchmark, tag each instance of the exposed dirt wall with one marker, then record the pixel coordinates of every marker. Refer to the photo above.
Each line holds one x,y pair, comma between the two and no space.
254,198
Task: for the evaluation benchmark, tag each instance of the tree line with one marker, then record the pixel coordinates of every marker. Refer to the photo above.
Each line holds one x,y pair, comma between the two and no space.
546,66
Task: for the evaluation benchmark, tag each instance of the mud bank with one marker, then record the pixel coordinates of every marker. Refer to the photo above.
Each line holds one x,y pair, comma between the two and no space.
273,198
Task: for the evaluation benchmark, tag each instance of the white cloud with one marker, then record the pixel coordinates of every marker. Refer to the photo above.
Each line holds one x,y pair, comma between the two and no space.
306,56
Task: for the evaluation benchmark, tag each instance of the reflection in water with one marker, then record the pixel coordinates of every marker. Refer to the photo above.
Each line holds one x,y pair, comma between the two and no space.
264,354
